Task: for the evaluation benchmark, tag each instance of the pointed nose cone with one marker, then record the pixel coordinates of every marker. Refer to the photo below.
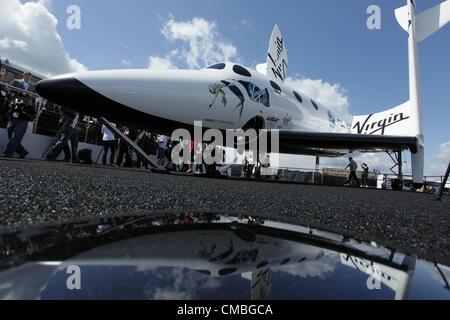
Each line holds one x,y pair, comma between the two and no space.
68,92
59,89
110,94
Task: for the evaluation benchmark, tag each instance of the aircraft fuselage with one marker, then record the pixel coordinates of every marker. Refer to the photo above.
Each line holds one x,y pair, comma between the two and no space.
164,100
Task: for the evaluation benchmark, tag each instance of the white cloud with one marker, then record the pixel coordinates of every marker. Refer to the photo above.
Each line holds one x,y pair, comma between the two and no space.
7,43
156,63
201,44
332,96
29,38
124,46
313,268
442,158
184,284
444,152
242,24
262,68
167,62
126,63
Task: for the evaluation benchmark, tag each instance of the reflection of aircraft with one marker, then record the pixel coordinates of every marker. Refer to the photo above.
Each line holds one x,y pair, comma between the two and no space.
219,247
171,99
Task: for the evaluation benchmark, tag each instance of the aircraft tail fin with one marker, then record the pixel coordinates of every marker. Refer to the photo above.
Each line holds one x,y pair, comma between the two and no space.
400,121
277,57
427,22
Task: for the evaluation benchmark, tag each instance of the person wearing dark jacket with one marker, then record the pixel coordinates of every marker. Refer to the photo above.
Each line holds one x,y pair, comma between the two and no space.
3,91
365,175
69,121
21,112
353,167
24,83
124,150
4,94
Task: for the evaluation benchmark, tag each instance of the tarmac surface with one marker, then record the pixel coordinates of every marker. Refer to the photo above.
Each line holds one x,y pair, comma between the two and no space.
34,193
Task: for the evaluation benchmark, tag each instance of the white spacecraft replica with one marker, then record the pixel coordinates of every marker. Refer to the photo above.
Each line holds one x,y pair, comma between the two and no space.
230,96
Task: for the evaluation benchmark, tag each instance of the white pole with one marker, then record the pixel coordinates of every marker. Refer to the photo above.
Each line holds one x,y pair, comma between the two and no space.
414,82
418,159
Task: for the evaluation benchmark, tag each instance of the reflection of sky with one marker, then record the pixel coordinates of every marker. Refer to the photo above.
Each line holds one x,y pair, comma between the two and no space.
299,271
333,281
428,283
325,278
320,268
159,283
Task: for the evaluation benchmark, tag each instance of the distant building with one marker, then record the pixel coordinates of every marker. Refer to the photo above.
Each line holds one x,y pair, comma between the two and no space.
14,71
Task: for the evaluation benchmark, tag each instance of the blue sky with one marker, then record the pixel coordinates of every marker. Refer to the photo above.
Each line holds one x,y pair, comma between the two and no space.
326,39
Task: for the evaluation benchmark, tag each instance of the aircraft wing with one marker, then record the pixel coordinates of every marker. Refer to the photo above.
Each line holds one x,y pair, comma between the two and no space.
337,144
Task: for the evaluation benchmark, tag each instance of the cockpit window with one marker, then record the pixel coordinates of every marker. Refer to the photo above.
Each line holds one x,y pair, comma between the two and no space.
299,97
276,87
256,94
264,98
241,71
315,105
219,66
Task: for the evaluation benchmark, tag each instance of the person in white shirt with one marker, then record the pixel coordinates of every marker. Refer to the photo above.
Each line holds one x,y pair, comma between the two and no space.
199,167
109,143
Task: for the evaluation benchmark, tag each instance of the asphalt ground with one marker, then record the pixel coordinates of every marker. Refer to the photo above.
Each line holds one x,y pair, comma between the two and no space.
34,193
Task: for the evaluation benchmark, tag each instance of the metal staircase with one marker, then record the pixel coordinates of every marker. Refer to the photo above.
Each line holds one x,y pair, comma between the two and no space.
133,145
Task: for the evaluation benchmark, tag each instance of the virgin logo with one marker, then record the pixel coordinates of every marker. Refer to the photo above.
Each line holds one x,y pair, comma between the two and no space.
369,126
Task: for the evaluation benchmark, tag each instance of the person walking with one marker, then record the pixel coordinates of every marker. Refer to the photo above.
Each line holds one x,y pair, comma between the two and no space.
69,122
124,150
162,147
109,144
365,175
353,167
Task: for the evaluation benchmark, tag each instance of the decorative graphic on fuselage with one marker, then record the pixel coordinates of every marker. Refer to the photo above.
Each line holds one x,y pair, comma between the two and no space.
217,89
332,120
254,92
